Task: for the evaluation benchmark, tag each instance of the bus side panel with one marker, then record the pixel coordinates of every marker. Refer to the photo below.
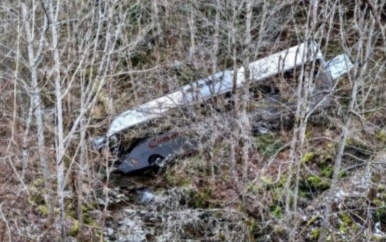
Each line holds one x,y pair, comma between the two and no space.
165,145
131,164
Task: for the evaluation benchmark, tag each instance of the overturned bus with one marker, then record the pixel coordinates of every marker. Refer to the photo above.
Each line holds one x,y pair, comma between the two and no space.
152,151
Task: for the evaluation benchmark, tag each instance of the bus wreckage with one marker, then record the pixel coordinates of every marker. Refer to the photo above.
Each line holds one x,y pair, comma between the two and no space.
151,152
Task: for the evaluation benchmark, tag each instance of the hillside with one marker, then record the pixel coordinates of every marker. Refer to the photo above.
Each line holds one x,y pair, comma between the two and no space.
306,171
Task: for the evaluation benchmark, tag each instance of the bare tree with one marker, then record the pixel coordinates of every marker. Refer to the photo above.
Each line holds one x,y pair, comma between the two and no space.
34,59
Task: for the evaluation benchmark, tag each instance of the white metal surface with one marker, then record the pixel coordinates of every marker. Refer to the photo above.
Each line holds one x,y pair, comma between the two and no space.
339,65
217,84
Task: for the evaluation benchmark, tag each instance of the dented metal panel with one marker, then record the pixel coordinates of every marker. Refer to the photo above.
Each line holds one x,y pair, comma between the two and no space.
215,85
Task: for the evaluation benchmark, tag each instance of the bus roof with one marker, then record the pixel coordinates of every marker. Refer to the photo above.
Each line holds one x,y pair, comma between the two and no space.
217,84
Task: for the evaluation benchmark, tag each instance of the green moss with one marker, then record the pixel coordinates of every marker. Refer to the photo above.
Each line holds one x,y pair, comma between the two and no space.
75,228
88,220
318,183
327,171
91,72
312,220
304,194
343,228
314,180
71,213
345,218
315,233
37,196
346,223
43,210
308,134
381,136
381,187
276,211
350,141
38,182
308,157
378,202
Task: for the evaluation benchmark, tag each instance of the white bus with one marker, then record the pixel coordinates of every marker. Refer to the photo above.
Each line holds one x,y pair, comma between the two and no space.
151,151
